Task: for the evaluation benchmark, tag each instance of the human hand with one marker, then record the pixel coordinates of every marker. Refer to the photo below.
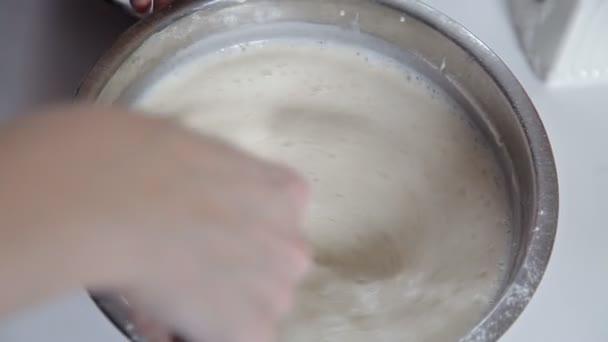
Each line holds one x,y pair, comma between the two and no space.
199,236
143,6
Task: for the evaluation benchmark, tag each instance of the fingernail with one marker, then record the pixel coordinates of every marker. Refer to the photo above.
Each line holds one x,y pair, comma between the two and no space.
140,6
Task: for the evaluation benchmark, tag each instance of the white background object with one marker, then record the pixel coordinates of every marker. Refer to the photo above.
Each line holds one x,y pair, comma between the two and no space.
571,303
566,41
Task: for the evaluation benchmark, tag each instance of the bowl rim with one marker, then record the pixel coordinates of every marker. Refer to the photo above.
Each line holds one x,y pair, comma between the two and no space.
528,276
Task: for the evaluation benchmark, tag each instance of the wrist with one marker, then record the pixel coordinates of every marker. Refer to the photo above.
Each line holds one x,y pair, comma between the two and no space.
38,263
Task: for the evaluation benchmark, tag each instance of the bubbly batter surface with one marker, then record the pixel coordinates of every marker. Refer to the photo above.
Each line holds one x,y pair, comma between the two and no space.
409,219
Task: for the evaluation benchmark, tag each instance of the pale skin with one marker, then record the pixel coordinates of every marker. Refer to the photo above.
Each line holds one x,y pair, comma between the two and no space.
201,237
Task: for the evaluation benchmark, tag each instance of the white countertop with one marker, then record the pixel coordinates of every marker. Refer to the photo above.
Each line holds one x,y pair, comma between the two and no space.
570,304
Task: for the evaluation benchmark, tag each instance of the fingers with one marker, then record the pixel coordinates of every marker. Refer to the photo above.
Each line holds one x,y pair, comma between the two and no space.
293,186
143,6
287,198
283,256
149,328
232,321
242,301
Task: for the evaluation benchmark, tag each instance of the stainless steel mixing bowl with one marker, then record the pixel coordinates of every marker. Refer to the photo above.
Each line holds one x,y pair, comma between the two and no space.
410,31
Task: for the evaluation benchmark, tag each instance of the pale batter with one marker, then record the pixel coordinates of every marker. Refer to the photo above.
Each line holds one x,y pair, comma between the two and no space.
409,220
